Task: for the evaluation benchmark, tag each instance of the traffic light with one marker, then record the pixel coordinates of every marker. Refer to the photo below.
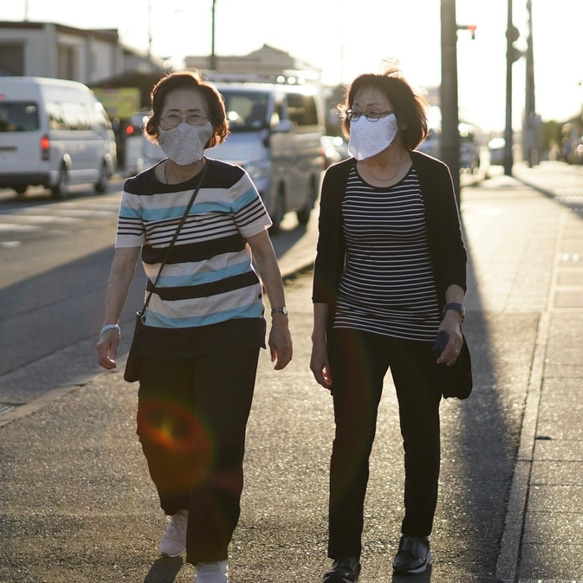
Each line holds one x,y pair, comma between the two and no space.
513,34
471,27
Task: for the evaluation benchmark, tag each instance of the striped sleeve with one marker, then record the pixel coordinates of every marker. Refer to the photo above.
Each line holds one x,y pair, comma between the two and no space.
130,224
249,212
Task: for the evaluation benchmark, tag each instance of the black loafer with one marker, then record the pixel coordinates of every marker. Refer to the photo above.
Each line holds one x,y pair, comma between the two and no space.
414,555
344,570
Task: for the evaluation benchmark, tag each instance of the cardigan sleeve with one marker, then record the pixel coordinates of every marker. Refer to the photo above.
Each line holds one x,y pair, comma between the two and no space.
330,251
446,243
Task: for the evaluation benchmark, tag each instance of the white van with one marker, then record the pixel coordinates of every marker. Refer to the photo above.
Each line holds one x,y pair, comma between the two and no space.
53,133
275,134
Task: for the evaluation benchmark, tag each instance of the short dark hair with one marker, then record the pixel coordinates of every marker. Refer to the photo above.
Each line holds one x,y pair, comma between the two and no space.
189,80
409,107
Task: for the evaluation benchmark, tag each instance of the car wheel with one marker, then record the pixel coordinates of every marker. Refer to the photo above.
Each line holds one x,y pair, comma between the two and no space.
304,213
59,190
20,190
278,213
101,184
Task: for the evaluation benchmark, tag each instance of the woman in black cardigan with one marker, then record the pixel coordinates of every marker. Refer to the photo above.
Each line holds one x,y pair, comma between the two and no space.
390,274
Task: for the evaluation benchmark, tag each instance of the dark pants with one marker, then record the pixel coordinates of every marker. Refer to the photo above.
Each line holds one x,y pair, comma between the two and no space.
192,418
359,362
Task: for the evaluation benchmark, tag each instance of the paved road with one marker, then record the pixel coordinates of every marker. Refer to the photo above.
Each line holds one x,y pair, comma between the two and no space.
54,260
76,504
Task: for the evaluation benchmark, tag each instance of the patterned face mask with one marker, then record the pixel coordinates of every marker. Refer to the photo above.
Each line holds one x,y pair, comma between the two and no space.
185,143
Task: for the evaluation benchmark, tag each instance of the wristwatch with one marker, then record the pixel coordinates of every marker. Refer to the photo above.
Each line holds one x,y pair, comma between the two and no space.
459,308
279,309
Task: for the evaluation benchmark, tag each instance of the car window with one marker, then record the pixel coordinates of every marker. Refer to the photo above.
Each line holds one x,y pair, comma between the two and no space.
19,116
246,110
101,119
70,116
302,109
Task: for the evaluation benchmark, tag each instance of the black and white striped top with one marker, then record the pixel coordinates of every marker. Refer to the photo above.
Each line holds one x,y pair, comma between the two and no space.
388,287
209,278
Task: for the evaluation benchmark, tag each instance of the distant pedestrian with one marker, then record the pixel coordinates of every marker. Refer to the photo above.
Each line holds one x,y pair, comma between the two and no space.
390,273
204,323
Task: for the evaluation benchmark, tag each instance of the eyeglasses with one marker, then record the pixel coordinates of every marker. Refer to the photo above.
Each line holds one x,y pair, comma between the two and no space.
172,121
355,115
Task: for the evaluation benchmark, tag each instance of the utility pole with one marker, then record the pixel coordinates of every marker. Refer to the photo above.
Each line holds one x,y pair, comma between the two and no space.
511,36
450,139
213,59
530,118
149,35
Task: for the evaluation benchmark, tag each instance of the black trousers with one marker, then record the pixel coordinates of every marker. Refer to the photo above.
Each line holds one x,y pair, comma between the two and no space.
191,421
359,362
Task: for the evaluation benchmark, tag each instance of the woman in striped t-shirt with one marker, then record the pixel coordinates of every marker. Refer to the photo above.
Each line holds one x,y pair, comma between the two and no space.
390,274
205,323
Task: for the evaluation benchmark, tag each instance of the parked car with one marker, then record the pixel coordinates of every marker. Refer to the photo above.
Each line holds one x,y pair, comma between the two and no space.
151,154
53,133
334,149
469,149
496,147
276,133
431,145
133,132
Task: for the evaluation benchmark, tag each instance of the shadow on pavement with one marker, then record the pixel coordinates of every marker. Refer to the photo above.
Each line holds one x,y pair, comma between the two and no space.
57,308
572,200
286,239
479,450
164,570
421,578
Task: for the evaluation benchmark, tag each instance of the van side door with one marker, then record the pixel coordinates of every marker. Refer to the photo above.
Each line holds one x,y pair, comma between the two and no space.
307,147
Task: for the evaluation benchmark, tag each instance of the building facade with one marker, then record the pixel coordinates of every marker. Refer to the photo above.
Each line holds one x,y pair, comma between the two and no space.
45,49
264,63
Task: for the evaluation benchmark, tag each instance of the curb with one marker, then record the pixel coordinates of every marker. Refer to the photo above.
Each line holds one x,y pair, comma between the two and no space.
509,556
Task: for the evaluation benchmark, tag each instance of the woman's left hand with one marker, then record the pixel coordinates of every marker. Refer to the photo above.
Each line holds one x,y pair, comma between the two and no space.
452,325
280,342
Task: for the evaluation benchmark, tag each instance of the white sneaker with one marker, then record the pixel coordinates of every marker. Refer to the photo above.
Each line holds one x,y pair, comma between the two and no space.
212,572
173,541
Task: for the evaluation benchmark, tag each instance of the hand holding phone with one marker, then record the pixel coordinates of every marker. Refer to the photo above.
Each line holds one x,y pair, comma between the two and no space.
440,343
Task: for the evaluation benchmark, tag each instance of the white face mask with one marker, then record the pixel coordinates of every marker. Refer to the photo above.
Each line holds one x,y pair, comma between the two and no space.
368,138
185,143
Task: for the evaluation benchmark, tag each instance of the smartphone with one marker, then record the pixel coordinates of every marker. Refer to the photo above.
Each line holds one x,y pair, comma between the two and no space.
440,343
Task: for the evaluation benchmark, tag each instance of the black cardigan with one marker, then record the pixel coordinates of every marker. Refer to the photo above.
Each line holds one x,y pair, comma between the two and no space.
446,247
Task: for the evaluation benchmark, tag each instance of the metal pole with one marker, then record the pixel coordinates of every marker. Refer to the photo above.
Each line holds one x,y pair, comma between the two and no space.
149,34
450,139
530,141
508,134
213,59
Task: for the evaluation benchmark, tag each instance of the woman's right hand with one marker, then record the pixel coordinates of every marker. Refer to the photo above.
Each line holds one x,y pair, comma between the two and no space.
107,349
120,279
319,364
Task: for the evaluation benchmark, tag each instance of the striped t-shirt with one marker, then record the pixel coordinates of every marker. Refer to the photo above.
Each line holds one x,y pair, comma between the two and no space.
209,277
388,287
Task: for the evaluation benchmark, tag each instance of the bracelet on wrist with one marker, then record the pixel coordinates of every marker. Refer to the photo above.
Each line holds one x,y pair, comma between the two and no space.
110,327
279,310
459,308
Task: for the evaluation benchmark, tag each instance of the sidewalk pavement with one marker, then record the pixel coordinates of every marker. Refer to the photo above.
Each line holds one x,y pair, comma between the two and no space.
525,237
535,264
543,536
